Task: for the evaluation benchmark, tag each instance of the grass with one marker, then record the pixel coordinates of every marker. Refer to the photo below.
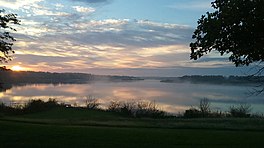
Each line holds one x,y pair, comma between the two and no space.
32,135
76,127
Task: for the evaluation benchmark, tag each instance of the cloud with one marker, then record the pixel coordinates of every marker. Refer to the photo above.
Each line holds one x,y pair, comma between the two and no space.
130,32
84,9
58,5
58,36
59,39
139,33
16,4
107,43
92,1
60,54
241,100
71,35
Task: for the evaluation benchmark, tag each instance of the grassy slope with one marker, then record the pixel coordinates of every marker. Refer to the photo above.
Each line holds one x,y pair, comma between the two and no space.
81,128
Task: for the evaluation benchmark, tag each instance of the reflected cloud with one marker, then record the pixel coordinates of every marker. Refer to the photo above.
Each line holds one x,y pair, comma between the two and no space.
175,97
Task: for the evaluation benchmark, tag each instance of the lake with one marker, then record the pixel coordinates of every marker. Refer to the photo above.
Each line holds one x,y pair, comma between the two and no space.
171,97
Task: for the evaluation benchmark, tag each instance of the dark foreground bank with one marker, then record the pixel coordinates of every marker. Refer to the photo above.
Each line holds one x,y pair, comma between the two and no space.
78,127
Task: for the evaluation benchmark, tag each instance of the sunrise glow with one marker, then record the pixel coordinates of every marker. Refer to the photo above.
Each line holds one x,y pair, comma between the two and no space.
17,68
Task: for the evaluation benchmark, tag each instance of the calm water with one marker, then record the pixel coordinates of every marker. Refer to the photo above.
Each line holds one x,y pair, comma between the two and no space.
172,97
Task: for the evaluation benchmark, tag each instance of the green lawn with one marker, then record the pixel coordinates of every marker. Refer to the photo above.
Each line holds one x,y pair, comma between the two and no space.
81,128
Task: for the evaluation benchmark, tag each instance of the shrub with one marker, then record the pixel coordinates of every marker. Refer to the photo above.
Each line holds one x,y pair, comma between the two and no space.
242,110
137,109
129,108
114,106
51,103
92,103
257,115
35,105
39,105
217,114
192,113
7,110
2,108
148,109
203,110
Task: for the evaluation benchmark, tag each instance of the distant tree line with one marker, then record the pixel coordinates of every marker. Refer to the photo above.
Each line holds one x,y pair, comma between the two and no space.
218,79
9,78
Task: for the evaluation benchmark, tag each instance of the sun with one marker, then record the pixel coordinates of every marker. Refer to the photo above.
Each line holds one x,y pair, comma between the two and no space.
17,68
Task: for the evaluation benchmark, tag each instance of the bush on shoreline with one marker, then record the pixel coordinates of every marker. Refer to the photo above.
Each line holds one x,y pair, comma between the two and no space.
92,103
138,109
204,111
30,107
39,105
242,110
131,109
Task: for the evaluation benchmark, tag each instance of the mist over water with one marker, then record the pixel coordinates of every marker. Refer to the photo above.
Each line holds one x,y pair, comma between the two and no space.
171,97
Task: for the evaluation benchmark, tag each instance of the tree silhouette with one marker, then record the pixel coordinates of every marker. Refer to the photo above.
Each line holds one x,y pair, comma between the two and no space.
6,40
236,27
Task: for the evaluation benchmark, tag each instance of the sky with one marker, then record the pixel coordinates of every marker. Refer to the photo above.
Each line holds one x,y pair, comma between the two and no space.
111,37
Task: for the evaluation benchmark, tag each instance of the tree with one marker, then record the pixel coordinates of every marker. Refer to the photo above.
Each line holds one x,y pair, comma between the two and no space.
236,27
6,40
205,107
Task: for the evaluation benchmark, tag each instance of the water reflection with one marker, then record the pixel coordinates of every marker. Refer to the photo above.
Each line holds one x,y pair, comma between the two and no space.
172,97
